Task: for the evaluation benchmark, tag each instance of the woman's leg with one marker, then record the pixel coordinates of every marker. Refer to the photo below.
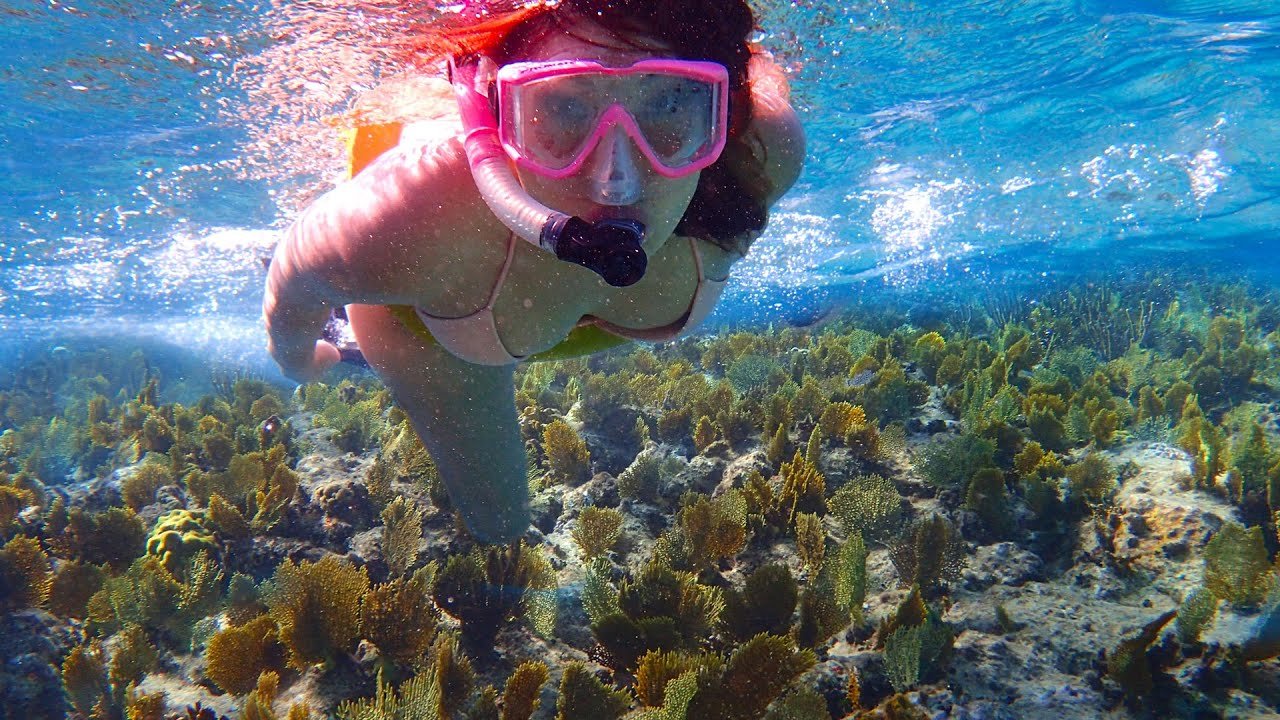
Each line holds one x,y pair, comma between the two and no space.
465,415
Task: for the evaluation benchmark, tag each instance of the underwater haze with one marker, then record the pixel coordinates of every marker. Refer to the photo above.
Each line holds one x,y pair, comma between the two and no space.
954,148
986,425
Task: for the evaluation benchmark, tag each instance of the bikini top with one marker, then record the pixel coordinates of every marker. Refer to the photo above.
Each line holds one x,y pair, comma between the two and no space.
475,338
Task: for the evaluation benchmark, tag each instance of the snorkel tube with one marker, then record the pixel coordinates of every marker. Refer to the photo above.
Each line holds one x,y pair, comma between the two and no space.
611,248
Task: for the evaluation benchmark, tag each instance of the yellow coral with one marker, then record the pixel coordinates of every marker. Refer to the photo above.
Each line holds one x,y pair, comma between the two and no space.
178,536
803,489
24,574
567,454
520,698
317,607
237,655
400,619
598,530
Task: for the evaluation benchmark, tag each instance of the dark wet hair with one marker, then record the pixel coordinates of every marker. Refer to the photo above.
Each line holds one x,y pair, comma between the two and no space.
724,210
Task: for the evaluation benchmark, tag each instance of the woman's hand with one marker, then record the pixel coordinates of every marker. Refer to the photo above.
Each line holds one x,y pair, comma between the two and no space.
306,364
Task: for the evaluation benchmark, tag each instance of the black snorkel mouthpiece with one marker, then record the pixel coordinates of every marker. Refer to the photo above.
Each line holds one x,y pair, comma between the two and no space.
611,248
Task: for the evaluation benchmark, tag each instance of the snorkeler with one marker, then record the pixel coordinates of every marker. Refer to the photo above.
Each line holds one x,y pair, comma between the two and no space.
614,158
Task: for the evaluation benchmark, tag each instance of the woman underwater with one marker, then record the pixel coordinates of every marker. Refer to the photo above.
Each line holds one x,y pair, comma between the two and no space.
613,160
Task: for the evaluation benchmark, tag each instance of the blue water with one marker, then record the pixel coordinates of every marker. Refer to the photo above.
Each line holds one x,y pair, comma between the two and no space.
151,151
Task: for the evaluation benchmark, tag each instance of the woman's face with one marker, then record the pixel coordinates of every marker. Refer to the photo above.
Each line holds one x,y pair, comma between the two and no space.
616,181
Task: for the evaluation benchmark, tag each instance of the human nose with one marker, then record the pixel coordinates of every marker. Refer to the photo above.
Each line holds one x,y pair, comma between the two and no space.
615,178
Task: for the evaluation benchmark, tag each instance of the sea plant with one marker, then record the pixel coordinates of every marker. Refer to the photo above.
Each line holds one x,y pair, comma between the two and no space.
924,651
401,535
950,462
764,605
113,537
803,490
25,575
520,697
1196,613
712,529
835,596
400,619
598,530
71,587
928,553
568,459
867,504
138,488
1128,663
1236,566
236,656
658,609
582,695
485,587
755,675
811,538
988,498
435,693
316,605
355,415
1093,479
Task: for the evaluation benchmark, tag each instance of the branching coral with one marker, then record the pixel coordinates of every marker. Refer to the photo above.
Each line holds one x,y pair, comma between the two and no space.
401,535
567,456
1236,568
597,531
237,655
485,588
316,606
400,618
867,504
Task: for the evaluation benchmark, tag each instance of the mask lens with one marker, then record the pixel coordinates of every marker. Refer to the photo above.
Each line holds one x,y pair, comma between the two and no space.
551,121
555,117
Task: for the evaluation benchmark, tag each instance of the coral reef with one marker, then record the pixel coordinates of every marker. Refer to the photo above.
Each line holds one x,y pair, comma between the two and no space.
1066,508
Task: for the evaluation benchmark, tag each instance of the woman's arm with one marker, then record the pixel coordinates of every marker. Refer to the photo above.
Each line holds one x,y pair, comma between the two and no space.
372,240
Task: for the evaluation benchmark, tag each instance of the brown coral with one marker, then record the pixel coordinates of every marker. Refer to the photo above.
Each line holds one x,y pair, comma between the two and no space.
317,607
520,698
237,655
598,530
400,619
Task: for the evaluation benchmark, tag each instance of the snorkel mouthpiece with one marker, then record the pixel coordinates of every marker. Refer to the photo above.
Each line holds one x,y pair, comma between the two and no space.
610,248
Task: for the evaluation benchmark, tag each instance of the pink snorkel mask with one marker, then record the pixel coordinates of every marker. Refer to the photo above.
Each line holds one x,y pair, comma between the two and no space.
552,115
